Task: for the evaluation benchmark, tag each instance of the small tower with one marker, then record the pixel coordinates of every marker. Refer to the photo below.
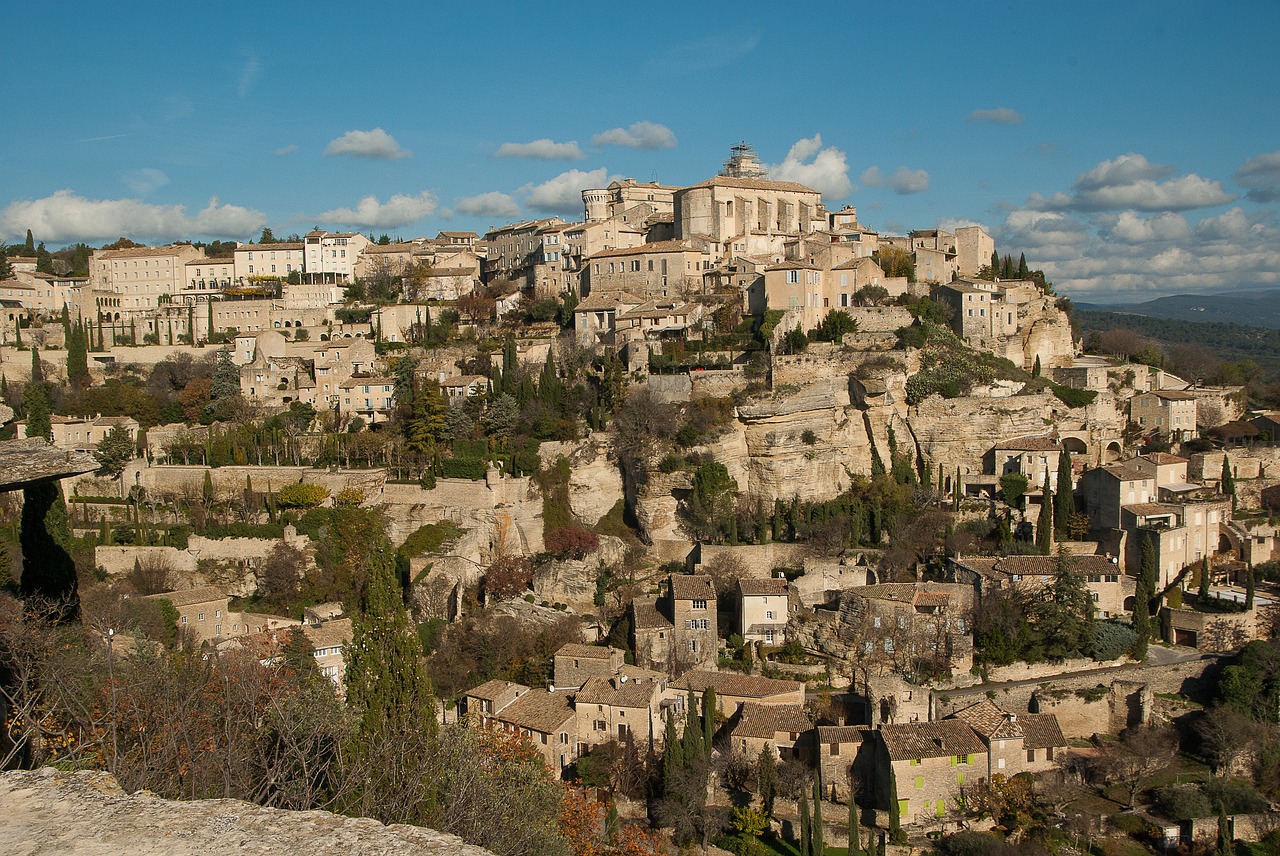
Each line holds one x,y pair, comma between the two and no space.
743,163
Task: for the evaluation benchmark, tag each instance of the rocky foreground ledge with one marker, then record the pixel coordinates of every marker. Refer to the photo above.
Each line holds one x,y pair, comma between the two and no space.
49,811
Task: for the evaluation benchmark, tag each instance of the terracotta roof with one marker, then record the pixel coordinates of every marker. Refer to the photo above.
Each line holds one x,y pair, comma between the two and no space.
915,740
853,264
1163,458
932,598
692,587
287,245
617,692
646,616
734,684
1171,395
655,247
1126,472
1041,730
1029,444
790,265
190,597
493,690
842,733
142,252
767,720
989,720
1145,509
539,710
762,587
754,184
587,652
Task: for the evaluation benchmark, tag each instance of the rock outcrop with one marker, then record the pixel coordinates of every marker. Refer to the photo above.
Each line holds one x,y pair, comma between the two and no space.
49,811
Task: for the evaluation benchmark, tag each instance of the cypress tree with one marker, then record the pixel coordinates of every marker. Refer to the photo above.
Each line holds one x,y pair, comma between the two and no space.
77,357
816,838
1248,587
708,717
693,749
1142,599
37,368
806,849
17,332
35,400
1202,594
895,810
957,491
767,773
1044,523
1023,271
1228,482
855,822
1064,504
672,751
6,269
29,248
1035,370
995,264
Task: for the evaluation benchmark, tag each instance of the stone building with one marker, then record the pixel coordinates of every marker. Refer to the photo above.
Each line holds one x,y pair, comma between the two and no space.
331,256
763,610
677,631
271,261
930,764
624,706
83,433
734,690
1015,743
1164,411
574,663
783,729
545,717
1110,589
662,269
143,277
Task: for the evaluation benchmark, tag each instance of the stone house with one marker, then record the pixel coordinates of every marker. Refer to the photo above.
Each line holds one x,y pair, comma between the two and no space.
548,720
205,279
461,387
656,320
930,764
83,433
278,381
484,701
202,612
1208,631
1016,743
653,270
595,318
782,728
1033,457
840,759
1164,411
1182,532
621,707
900,625
143,277
741,212
1109,587
677,631
734,690
763,610
266,260
331,256
1107,489
575,663
372,398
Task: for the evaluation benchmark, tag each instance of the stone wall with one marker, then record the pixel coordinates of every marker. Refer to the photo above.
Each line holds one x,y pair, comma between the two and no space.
759,559
87,812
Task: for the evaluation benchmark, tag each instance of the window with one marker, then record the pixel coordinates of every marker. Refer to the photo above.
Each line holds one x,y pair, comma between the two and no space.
768,637
793,276
919,783
1031,754
200,617
693,645
699,604
768,614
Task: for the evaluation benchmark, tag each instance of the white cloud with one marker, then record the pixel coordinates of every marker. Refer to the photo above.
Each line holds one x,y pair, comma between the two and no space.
376,144
1132,182
1127,256
66,216
950,224
543,149
808,163
286,150
1260,175
903,181
563,194
996,116
399,210
492,204
143,181
638,135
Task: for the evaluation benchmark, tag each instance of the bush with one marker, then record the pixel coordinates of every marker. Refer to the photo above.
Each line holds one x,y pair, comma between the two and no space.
570,542
429,538
464,468
301,495
1073,397
1111,640
349,497
1183,802
1235,796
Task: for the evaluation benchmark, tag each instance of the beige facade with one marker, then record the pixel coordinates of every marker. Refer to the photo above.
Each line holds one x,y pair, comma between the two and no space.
628,195
620,707
206,279
734,690
203,614
310,295
270,261
677,631
783,729
574,663
663,269
83,433
740,215
973,249
372,398
764,607
331,257
1165,411
143,277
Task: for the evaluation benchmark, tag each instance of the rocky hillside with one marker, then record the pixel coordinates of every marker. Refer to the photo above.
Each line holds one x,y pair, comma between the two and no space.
49,811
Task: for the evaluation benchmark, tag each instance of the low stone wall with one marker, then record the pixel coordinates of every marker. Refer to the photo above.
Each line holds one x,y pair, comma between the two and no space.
758,559
881,319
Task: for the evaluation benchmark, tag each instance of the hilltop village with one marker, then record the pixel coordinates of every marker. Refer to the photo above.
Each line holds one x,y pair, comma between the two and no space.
729,520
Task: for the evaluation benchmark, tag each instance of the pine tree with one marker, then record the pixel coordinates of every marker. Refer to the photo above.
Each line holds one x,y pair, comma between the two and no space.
1142,599
1044,523
1064,503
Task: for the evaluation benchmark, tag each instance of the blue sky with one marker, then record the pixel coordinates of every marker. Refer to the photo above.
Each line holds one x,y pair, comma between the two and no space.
1130,149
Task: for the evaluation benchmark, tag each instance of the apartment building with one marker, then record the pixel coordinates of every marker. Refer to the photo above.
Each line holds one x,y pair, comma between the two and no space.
330,257
271,261
661,269
1165,411
143,277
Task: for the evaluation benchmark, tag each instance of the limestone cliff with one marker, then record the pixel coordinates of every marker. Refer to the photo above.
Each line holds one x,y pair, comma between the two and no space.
87,813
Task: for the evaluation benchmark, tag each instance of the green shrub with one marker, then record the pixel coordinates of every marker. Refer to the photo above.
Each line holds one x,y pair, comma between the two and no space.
1073,397
1111,640
464,468
1183,802
301,495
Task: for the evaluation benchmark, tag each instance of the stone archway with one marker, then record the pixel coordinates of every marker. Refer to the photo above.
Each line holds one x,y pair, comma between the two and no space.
1112,452
1075,446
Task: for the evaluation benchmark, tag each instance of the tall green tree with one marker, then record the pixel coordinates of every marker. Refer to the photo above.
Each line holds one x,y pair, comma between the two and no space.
78,356
1044,523
1228,481
806,832
817,838
1023,270
694,749
6,269
44,260
1249,582
708,717
672,750
1066,612
855,822
1144,594
767,779
1202,594
37,367
1064,503
29,246
388,692
35,401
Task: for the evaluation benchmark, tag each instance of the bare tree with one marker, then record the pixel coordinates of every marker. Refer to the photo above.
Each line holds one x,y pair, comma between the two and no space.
1138,756
1226,737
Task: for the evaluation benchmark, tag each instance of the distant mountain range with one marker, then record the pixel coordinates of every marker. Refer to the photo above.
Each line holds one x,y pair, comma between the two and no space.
1252,308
